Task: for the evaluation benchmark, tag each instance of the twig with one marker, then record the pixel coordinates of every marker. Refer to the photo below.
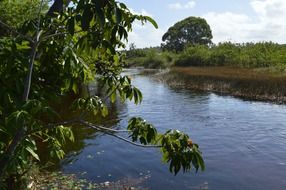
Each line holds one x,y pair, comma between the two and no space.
103,128
58,34
30,71
99,128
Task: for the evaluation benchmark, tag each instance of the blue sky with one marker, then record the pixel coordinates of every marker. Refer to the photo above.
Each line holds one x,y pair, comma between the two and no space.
230,20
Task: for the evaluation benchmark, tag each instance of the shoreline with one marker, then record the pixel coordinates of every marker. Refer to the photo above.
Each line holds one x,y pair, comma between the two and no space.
250,84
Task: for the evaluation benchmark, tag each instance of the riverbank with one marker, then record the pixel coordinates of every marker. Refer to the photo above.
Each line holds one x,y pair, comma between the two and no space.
58,180
254,84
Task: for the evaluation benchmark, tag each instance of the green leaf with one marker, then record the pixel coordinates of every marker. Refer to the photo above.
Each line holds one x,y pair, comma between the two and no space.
152,21
75,88
199,159
32,152
113,97
100,16
118,15
104,111
70,25
86,18
122,5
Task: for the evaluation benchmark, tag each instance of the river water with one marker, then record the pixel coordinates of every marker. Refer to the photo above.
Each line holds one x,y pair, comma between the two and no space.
243,142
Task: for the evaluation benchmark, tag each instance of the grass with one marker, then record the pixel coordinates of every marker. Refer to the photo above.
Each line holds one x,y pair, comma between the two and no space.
258,84
225,72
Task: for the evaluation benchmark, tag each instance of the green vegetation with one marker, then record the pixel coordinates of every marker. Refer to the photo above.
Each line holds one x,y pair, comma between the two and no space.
51,56
188,43
190,31
263,54
248,55
256,84
16,12
149,58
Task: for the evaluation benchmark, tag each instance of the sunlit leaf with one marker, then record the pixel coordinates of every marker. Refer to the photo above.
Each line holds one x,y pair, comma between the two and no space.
32,152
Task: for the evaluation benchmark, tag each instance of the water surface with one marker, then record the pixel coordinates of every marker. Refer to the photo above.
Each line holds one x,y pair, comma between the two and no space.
243,142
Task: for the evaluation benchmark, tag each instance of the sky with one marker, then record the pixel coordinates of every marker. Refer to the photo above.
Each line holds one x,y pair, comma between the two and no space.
230,20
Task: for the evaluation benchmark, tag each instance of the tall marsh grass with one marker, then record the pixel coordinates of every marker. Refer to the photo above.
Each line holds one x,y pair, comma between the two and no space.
241,82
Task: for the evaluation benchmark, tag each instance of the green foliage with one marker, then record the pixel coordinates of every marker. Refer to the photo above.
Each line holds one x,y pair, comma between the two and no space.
152,58
263,54
15,12
176,147
193,56
190,31
91,104
142,131
179,150
50,57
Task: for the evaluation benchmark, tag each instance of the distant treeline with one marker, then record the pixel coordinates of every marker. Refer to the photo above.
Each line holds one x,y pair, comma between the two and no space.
262,54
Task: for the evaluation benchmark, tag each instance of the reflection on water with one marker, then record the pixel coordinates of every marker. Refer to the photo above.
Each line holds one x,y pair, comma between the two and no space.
243,142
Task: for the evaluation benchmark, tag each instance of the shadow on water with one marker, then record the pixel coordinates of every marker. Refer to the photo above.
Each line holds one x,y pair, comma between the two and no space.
81,133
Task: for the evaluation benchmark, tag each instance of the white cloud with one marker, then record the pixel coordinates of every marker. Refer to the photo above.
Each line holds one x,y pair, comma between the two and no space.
179,6
145,36
267,25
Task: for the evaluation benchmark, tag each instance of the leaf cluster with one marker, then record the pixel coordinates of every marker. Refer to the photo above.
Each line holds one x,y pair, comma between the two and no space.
176,147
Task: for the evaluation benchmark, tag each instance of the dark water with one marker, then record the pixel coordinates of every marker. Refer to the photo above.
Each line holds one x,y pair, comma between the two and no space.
243,142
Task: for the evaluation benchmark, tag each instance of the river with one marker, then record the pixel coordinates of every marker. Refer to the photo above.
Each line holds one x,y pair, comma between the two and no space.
243,142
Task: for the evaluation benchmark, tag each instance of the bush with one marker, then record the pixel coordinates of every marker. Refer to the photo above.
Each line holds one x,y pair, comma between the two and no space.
194,56
150,58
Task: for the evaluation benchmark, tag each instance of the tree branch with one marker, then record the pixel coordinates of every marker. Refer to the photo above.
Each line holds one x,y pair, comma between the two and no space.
30,71
74,121
33,56
101,129
58,34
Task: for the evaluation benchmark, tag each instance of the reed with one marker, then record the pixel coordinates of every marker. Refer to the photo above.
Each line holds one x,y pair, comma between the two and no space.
254,84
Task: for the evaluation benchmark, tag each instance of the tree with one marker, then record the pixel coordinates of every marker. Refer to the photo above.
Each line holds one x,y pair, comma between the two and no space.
190,31
52,56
